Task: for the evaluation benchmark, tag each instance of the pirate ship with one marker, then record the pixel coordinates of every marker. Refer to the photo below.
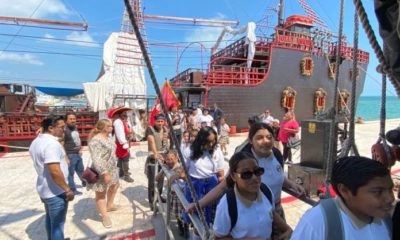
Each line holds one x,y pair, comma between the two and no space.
293,68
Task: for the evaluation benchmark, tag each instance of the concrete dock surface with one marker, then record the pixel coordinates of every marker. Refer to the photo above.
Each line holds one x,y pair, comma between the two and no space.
22,213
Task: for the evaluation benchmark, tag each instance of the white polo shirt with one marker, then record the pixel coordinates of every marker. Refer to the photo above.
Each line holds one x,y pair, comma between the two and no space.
312,226
273,176
47,149
206,166
254,218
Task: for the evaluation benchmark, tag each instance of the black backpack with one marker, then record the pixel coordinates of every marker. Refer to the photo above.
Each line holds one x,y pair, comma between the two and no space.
232,205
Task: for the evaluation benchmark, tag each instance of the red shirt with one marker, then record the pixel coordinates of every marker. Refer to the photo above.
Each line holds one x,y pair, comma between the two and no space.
284,135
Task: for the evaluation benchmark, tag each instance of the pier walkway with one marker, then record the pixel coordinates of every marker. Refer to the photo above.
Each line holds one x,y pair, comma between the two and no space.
22,213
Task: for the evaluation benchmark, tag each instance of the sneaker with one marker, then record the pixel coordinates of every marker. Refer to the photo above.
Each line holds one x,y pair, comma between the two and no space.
128,179
107,222
76,193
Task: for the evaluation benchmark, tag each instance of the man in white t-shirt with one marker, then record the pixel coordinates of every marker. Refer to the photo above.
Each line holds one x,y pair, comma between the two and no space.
52,169
206,117
267,118
365,198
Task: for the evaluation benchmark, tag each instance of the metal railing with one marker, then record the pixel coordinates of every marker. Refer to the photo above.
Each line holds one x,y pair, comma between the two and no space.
166,211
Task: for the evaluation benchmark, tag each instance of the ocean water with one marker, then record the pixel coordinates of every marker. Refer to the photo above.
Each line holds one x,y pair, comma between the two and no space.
369,107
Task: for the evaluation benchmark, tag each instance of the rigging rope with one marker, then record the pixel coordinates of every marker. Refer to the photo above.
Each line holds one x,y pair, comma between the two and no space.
375,45
383,112
350,142
332,129
146,57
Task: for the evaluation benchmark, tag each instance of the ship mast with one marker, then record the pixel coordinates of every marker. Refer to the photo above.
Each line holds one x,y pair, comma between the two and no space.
280,13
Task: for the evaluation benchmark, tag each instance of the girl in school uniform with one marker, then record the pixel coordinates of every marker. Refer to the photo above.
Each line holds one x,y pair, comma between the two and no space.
205,162
254,208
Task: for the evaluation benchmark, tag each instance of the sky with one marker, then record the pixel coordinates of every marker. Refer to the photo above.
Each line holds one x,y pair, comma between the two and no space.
68,58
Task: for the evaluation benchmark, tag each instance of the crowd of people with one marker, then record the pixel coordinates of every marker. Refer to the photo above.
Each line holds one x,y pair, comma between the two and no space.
235,203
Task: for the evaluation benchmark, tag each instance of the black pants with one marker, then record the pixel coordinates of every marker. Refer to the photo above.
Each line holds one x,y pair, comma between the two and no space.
150,179
287,152
123,166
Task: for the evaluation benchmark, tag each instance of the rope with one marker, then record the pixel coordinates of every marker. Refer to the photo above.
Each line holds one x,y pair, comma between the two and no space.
383,109
374,43
146,57
332,129
350,143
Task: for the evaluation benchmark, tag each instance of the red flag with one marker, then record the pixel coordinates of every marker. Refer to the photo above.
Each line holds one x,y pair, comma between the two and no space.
169,98
156,110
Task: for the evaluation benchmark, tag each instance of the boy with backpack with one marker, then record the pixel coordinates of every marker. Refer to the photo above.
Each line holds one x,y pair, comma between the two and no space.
362,208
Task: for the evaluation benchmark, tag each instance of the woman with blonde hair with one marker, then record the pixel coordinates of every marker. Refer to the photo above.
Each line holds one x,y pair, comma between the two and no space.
104,162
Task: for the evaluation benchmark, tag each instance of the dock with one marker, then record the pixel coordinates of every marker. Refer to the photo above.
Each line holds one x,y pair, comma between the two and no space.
22,213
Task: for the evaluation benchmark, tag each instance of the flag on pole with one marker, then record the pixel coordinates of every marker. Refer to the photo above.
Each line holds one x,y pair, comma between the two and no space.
170,99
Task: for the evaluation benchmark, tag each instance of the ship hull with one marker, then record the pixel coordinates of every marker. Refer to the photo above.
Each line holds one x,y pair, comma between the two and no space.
238,103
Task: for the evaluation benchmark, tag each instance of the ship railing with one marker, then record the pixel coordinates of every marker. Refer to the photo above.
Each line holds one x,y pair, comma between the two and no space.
165,209
232,49
15,126
236,74
183,77
239,48
347,53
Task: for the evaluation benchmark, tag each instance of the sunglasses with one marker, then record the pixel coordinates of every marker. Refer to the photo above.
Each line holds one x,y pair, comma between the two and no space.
249,174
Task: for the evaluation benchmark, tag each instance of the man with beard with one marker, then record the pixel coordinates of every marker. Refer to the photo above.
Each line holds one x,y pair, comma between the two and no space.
157,140
72,146
52,169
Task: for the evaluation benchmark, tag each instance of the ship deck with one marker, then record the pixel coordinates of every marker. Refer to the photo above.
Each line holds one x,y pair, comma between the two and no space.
22,213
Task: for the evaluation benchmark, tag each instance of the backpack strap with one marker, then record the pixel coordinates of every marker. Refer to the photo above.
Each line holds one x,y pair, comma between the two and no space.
232,204
332,219
396,222
267,192
232,207
278,156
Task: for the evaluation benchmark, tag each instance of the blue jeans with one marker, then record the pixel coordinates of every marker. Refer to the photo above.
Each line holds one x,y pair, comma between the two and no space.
76,164
56,212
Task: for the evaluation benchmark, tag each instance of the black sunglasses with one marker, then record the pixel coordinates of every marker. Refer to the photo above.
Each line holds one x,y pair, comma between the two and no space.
248,174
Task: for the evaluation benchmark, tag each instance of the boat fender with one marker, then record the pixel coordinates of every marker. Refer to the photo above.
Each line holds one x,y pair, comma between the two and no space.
379,154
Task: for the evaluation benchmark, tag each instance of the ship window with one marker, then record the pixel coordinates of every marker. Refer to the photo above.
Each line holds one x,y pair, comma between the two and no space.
343,100
288,98
357,73
307,66
332,70
319,101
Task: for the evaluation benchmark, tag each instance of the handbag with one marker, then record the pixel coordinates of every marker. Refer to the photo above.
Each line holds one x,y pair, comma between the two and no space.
90,175
294,142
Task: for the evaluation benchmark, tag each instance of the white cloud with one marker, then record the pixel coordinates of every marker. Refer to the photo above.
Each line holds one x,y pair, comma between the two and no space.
206,34
20,58
84,37
25,8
